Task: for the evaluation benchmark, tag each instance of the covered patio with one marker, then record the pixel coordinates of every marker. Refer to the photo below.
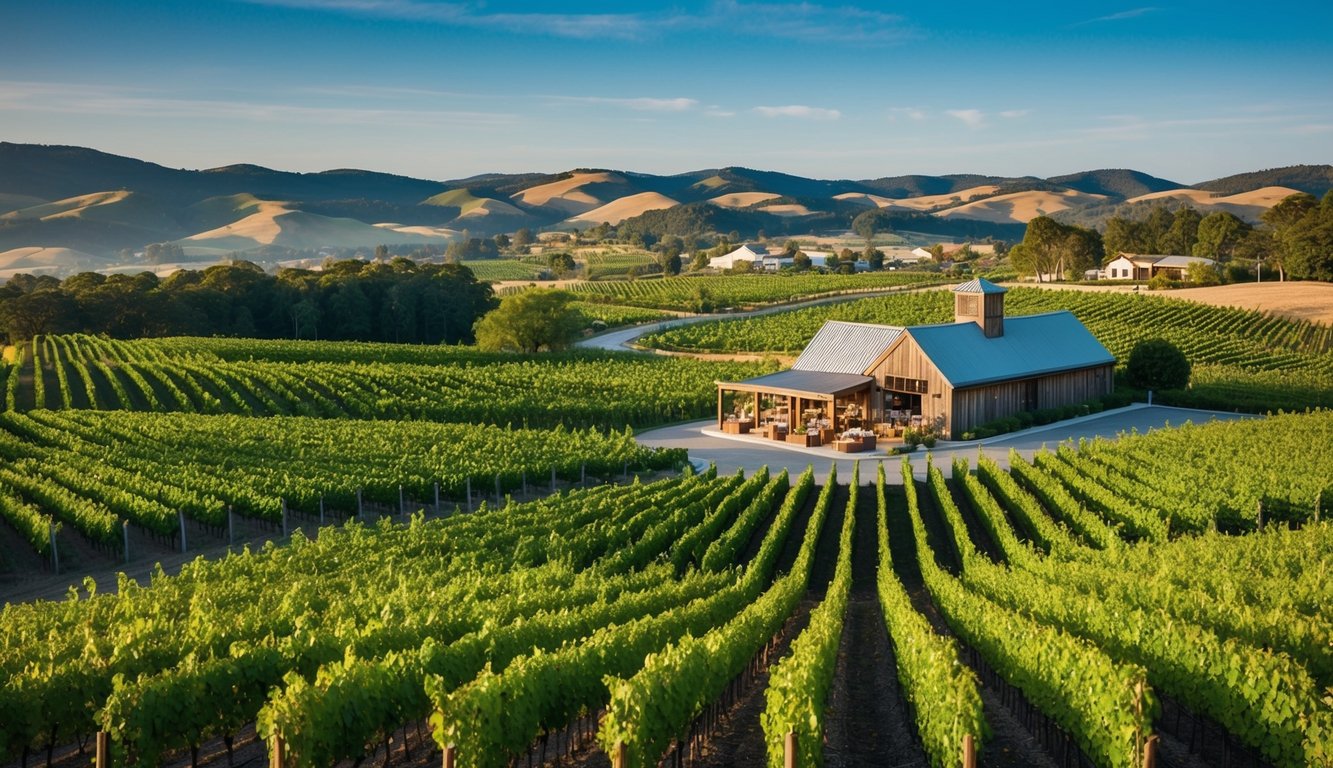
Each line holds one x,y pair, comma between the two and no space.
807,408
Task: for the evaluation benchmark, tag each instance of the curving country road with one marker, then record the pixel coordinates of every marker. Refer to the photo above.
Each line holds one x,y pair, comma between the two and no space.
624,338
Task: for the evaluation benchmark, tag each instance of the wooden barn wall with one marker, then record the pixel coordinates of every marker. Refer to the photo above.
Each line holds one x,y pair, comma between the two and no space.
909,362
977,405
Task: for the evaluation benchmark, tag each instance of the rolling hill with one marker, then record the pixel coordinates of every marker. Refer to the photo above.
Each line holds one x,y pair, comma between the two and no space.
1313,179
1248,206
91,203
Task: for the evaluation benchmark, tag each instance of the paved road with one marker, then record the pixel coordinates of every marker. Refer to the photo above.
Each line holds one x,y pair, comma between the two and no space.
731,453
624,338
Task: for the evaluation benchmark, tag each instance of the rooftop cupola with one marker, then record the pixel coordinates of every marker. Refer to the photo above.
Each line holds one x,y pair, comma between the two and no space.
982,302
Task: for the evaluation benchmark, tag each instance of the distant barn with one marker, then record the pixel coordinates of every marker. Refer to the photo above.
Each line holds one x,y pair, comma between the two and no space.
953,377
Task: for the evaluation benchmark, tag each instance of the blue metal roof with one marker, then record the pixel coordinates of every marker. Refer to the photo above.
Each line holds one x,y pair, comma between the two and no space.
980,285
1032,345
843,347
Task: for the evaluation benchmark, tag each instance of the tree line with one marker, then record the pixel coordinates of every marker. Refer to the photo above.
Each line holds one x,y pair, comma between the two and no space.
1294,238
395,301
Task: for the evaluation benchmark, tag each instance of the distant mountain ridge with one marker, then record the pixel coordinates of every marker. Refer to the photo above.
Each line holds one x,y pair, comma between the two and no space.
92,202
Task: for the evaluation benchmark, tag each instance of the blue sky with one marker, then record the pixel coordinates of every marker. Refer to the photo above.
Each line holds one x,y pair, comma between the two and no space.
1184,90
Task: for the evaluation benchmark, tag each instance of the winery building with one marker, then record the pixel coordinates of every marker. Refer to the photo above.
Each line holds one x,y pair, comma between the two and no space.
952,377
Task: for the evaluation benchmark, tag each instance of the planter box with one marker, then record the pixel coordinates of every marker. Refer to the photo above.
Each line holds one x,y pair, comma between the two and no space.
849,446
736,427
805,439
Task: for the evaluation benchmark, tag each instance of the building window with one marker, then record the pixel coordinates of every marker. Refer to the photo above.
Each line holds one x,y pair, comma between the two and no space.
967,305
900,384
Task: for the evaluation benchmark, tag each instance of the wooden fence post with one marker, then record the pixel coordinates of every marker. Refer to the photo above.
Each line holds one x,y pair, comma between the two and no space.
969,752
231,527
469,494
525,482
359,510
180,516
619,758
55,550
497,490
583,475
321,510
450,756
789,750
402,507
1150,752
103,750
1316,505
276,758
284,517
437,498
125,537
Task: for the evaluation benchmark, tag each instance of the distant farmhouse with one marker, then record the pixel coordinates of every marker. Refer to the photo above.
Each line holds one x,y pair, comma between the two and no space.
759,256
952,377
1133,266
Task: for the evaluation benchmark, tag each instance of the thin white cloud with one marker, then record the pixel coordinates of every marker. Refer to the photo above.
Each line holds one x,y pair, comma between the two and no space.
639,104
1010,114
1132,13
581,26
1135,128
973,118
716,111
800,111
802,21
79,99
911,113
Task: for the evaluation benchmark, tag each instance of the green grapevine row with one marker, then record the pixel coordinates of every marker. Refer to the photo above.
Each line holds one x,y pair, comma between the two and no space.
798,684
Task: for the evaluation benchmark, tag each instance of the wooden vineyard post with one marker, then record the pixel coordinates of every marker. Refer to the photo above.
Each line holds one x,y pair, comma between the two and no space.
450,756
284,517
103,750
180,516
231,528
497,491
1316,506
125,537
1261,515
619,758
583,475
402,507
321,510
437,498
1318,499
969,751
624,472
789,750
275,755
1150,752
55,550
469,494
358,504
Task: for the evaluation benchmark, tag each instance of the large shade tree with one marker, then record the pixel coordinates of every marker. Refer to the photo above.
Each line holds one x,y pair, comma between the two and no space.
536,320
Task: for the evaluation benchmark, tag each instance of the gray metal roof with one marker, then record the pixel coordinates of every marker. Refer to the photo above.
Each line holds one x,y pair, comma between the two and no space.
1032,345
843,347
806,382
1182,261
980,285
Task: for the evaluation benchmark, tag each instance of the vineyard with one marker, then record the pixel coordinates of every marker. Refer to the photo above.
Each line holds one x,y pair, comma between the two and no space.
360,381
1092,606
710,293
1241,358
